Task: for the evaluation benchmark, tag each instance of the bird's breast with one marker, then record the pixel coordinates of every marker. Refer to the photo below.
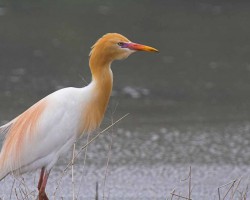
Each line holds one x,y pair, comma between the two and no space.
94,109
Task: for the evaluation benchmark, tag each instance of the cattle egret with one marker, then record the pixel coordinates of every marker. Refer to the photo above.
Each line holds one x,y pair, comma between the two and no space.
39,136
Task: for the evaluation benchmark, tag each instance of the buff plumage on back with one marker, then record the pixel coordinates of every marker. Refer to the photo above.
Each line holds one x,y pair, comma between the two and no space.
18,134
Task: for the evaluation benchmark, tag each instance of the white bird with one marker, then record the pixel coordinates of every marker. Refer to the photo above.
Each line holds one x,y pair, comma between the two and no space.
39,136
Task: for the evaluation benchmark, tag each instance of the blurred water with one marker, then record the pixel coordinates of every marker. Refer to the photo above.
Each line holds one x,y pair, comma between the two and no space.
137,182
188,105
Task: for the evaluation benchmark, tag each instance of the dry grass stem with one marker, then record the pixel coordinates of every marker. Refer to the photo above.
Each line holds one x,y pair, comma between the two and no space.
236,188
23,189
244,196
108,159
16,194
179,196
233,188
12,187
72,170
189,184
82,148
172,196
231,183
189,178
83,166
94,138
96,192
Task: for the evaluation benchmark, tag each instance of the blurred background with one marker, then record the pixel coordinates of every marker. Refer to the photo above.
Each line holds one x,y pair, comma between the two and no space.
188,105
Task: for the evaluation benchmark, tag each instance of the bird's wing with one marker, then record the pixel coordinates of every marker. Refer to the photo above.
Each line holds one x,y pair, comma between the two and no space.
17,133
41,132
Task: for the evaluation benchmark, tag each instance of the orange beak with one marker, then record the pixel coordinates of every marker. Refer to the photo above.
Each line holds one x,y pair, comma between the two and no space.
140,47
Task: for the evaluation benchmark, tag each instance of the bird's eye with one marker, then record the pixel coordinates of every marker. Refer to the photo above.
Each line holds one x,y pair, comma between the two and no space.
120,44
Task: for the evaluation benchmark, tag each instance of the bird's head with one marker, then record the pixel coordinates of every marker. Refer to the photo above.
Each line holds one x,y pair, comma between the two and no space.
114,46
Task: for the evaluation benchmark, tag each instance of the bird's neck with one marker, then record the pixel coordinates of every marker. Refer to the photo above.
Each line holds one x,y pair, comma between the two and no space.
102,77
102,82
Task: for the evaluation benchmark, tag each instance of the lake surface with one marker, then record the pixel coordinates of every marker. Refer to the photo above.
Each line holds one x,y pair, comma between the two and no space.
188,105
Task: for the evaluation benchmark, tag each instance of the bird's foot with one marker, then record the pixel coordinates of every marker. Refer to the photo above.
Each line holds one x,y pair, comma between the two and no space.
42,196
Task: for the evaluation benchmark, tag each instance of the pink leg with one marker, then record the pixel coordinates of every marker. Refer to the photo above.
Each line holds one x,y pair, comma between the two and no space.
42,195
41,178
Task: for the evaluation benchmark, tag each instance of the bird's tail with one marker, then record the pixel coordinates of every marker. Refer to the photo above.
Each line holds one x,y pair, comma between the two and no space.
3,170
5,128
5,166
3,131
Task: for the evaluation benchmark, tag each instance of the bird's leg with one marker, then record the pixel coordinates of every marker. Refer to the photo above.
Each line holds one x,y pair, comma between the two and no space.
42,195
41,178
